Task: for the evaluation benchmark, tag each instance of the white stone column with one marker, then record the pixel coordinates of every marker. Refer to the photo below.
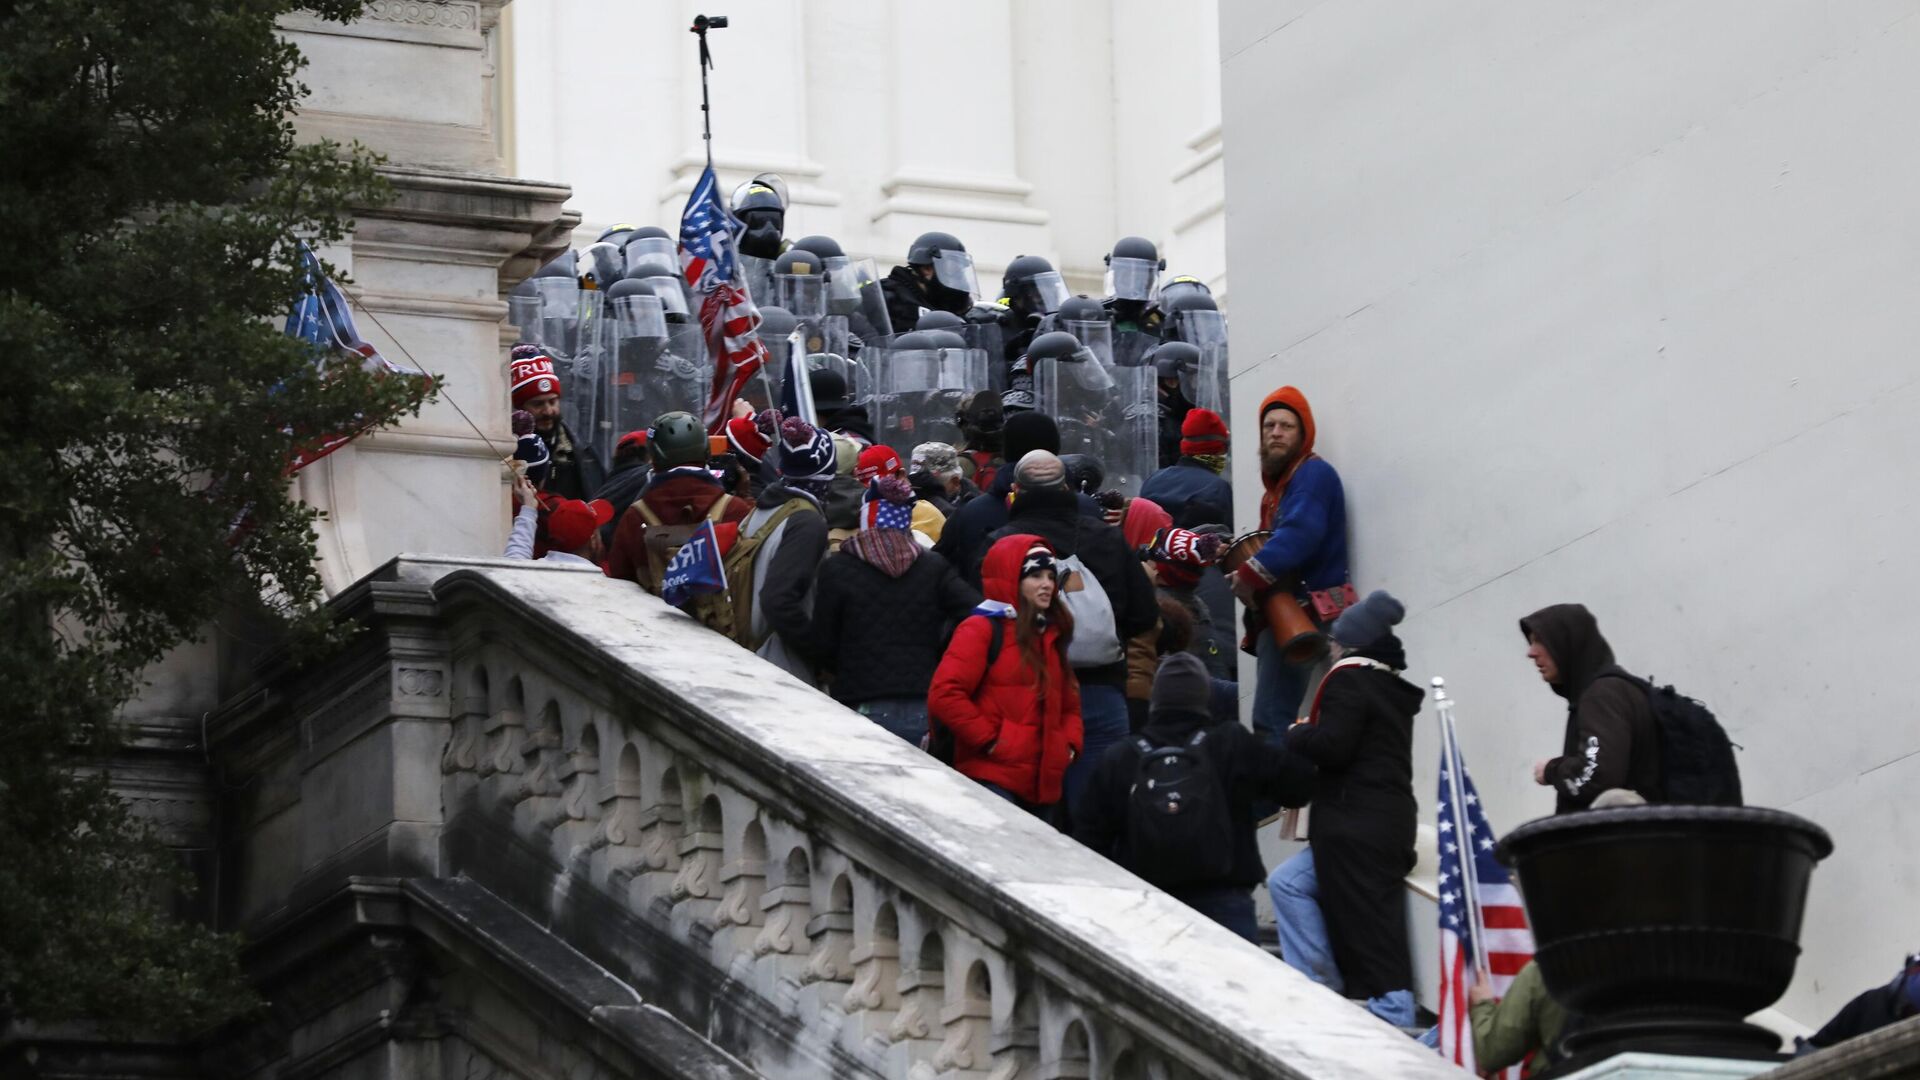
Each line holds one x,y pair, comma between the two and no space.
954,143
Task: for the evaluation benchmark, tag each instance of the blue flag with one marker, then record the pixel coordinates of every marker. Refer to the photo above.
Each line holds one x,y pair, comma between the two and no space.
695,569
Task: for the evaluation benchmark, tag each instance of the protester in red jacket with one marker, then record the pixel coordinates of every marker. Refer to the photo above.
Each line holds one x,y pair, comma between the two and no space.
1016,721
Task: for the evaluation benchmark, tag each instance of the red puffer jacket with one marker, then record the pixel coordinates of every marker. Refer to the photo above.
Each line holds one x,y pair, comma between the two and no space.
1032,738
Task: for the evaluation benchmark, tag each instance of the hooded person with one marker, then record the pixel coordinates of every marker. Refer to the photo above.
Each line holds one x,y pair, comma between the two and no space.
965,537
789,531
1194,489
881,608
1340,905
1117,605
1004,688
629,472
1611,738
1305,511
1247,769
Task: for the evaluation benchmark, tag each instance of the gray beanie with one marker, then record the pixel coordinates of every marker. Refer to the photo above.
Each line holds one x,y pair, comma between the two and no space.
1040,469
1181,685
1369,620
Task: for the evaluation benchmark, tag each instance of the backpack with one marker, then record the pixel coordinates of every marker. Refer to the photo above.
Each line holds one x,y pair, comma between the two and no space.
1697,766
1096,637
662,542
734,616
940,736
1178,829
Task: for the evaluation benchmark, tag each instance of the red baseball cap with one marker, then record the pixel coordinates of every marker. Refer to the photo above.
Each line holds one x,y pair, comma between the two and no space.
570,524
876,460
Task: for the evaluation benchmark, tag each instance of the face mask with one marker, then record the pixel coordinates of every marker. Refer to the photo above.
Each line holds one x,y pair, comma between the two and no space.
762,238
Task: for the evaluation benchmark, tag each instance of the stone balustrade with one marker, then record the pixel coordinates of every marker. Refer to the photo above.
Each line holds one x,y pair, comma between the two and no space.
817,896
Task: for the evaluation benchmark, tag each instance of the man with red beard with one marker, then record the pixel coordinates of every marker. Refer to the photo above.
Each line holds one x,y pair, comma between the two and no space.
1306,510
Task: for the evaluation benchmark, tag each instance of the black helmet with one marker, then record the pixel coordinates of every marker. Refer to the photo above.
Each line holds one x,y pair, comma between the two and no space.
760,194
799,260
677,438
1133,269
924,246
1054,345
1083,309
1136,247
1032,286
562,266
939,320
649,230
824,246
761,205
1083,472
943,339
1023,268
616,235
1170,358
776,323
1186,292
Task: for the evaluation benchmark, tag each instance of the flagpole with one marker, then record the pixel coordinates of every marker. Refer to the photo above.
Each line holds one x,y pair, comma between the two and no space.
1469,879
701,24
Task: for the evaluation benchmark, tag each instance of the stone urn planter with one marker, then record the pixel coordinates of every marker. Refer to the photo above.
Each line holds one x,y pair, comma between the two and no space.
1666,926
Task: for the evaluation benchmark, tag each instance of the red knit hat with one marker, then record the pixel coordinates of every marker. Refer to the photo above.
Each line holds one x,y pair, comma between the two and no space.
570,524
876,460
1203,432
530,375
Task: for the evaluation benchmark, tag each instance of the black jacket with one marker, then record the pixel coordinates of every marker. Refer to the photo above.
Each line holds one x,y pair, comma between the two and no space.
966,536
1251,769
620,489
786,595
1611,740
577,470
1364,816
881,636
1057,516
1869,1011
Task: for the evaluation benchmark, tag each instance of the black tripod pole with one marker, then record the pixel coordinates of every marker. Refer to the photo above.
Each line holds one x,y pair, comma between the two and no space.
701,24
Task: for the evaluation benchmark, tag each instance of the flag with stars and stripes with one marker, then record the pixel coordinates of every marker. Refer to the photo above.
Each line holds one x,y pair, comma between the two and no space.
710,261
322,319
1480,910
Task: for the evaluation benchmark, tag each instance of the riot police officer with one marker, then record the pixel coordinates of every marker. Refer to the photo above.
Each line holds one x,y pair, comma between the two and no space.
1133,284
938,276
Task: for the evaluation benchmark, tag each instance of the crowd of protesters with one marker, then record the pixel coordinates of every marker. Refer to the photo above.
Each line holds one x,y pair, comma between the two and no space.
1073,651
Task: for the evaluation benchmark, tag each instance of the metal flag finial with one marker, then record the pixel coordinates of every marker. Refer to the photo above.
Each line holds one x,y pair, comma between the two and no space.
1439,688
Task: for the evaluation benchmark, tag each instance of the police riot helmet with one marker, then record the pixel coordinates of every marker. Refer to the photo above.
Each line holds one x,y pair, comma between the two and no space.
941,338
1133,269
798,260
1171,358
1031,286
1084,472
927,245
1186,293
561,265
1057,345
617,235
939,320
1083,309
776,322
761,205
824,246
677,438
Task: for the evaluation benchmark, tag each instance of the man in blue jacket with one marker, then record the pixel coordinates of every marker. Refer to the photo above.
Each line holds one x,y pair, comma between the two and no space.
1306,510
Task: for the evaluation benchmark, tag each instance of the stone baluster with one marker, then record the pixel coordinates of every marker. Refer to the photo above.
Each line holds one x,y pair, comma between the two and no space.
874,996
467,742
502,731
742,881
829,964
967,1015
1014,1041
915,1031
660,829
538,781
696,888
786,909
613,851
1068,1055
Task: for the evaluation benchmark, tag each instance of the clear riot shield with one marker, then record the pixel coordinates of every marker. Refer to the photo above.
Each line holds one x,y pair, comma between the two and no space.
803,294
824,334
650,256
1130,347
581,368
758,273
853,291
1108,413
1206,387
637,327
682,377
989,339
857,375
1095,334
556,319
523,312
918,394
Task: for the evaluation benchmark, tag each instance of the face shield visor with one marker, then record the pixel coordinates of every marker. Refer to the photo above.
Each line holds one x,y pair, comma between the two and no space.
805,295
1096,335
673,299
954,269
1201,328
1087,370
1133,279
650,256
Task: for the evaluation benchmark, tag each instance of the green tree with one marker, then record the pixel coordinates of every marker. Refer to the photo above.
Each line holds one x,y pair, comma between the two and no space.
151,193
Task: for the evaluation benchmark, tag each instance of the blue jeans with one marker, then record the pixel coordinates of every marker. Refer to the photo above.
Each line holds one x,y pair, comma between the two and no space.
1277,690
1231,906
1103,722
905,717
1304,942
1044,813
1308,948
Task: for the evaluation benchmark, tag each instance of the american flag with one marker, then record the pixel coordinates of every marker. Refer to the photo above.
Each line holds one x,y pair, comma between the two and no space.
1466,845
321,318
711,264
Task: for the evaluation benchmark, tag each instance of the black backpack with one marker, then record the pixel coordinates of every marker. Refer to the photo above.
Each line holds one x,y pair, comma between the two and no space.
1178,829
1697,767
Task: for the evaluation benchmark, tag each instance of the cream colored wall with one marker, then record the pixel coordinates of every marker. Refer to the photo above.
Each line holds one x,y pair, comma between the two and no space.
1023,128
1613,303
